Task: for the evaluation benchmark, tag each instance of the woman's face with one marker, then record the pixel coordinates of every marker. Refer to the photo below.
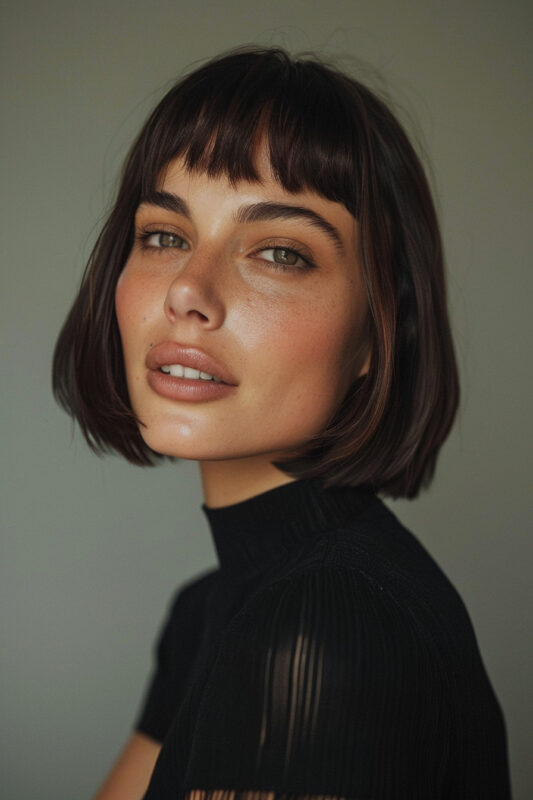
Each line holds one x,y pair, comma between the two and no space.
267,284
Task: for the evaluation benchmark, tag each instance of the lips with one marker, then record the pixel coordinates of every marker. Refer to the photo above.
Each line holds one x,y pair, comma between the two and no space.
173,353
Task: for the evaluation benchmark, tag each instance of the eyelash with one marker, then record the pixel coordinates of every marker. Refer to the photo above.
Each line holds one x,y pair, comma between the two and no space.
308,262
143,236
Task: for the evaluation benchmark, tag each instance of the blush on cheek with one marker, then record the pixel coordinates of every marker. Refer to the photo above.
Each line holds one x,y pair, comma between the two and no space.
317,338
134,299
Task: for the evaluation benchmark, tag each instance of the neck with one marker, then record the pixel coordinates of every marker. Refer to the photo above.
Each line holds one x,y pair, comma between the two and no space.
235,480
256,535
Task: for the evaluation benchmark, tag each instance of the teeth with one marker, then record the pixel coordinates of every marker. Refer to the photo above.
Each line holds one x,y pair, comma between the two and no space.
178,371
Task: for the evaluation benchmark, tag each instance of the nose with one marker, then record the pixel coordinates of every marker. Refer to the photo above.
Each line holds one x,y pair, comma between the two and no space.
194,293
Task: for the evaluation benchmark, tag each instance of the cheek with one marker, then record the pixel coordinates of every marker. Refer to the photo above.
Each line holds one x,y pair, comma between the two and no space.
303,346
135,303
136,306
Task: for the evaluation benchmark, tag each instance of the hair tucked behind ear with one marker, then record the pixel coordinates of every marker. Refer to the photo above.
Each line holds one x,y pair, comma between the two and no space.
330,134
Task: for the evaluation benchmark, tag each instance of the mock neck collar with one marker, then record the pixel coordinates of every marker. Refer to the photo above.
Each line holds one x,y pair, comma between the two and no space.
258,533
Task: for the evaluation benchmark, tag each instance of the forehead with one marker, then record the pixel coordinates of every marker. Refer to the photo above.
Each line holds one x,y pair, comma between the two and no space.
178,169
177,175
192,192
249,123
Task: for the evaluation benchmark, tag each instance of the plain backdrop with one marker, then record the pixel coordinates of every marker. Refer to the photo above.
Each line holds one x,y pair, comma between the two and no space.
92,549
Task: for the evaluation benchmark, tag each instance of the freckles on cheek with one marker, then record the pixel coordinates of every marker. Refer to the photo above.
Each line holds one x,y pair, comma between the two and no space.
312,335
133,300
312,356
297,348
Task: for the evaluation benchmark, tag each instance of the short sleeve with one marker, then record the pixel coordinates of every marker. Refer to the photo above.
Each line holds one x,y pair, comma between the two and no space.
176,644
323,686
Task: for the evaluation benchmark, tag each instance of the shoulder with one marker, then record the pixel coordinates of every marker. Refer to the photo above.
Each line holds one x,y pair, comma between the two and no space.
189,597
392,611
196,587
325,642
380,549
336,609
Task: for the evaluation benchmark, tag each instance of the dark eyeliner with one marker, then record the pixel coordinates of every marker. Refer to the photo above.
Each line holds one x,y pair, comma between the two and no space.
143,235
308,261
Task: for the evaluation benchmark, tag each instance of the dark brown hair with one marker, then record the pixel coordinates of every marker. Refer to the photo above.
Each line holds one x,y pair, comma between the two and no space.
329,134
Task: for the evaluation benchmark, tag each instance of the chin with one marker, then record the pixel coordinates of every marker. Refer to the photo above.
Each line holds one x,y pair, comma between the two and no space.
185,446
168,446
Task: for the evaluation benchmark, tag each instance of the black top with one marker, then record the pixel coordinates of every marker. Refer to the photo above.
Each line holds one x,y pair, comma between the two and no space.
327,655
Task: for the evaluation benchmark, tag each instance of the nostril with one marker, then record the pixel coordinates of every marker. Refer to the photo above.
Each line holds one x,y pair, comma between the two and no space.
170,311
202,316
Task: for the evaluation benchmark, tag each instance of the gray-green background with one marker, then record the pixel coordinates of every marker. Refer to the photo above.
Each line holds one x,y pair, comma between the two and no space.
92,549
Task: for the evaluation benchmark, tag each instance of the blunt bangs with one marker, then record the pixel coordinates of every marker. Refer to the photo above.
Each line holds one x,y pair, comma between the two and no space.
327,133
217,118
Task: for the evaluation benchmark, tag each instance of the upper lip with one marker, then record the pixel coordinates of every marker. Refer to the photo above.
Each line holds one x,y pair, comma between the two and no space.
167,353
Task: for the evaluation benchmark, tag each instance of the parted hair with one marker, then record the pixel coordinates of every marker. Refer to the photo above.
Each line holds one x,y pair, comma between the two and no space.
328,133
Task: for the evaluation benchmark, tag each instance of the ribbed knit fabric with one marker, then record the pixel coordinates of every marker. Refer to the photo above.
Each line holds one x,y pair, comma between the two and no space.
328,655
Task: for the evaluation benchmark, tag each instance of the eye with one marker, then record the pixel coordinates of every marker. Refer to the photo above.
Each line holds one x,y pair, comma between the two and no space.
285,257
159,240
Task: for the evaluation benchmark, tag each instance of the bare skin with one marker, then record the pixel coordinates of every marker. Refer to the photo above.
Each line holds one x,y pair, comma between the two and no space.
129,777
210,277
293,339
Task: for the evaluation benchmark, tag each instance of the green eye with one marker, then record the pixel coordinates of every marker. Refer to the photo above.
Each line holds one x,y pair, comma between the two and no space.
161,240
165,239
285,257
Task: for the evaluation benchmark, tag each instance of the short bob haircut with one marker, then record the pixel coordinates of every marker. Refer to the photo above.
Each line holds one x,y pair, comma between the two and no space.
326,133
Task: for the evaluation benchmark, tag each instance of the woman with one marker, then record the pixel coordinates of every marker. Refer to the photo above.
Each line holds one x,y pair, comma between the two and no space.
267,297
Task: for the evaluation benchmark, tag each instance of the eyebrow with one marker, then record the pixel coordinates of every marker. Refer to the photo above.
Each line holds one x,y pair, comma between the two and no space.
166,200
257,212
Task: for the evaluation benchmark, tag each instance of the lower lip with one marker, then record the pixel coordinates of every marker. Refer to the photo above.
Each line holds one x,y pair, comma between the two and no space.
195,391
